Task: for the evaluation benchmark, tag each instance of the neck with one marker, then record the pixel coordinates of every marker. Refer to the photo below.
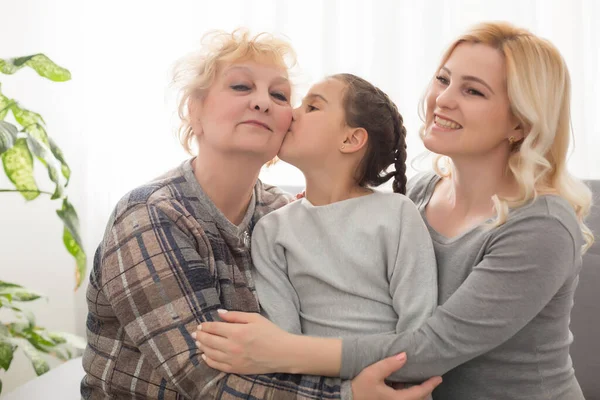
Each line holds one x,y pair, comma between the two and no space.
228,181
326,187
475,180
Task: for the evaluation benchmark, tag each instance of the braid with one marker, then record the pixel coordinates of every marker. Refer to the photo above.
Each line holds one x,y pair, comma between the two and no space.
369,107
399,149
400,179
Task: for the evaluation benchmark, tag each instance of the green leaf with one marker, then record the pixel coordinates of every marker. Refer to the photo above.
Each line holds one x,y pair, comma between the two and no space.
72,239
6,301
18,165
8,136
57,337
40,63
4,330
18,329
33,123
6,353
42,152
30,317
67,338
28,118
5,104
39,364
17,292
38,340
66,171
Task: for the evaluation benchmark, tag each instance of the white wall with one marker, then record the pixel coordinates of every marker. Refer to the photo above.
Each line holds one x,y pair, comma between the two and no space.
31,249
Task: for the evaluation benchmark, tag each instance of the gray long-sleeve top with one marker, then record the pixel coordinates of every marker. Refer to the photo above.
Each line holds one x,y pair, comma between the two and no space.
502,329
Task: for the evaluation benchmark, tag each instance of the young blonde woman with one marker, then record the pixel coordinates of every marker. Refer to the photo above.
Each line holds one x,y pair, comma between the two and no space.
176,249
506,220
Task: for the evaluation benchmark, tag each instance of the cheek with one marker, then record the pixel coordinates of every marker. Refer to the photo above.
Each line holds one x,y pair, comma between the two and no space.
283,119
490,118
430,103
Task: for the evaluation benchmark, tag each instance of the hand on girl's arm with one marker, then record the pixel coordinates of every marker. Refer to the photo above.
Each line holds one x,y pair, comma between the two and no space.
248,343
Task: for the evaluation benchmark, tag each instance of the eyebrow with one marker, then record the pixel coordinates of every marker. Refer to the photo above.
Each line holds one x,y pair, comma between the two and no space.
279,79
471,78
315,95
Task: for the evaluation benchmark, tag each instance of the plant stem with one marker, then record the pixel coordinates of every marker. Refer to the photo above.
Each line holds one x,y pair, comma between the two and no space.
25,191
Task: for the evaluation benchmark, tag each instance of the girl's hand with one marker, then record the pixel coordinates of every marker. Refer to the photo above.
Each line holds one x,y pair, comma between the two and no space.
246,343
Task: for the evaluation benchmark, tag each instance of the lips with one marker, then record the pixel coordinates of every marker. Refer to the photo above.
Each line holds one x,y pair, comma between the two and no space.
444,122
258,123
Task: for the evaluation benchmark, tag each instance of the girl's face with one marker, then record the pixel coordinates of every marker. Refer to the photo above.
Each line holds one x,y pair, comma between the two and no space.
318,127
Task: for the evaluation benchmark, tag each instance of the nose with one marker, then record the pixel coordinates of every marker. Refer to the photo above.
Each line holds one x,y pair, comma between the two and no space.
446,98
261,101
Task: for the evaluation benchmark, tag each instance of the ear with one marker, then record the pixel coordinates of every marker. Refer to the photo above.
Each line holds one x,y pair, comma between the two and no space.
518,131
354,140
517,134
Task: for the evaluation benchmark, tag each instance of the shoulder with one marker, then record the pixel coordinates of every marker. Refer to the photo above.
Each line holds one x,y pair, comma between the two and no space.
393,203
546,211
420,186
269,198
282,216
549,221
164,194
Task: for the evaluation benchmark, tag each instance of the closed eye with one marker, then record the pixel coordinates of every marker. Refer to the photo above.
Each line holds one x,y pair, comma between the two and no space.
240,88
475,92
310,108
279,96
442,80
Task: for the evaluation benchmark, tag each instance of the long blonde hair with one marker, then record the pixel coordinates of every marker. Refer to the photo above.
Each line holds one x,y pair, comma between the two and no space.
539,91
195,73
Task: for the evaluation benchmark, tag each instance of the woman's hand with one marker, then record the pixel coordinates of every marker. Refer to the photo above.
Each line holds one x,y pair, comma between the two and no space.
370,383
246,343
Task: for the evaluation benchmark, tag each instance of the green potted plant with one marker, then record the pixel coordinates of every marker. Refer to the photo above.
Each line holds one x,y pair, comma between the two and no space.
23,140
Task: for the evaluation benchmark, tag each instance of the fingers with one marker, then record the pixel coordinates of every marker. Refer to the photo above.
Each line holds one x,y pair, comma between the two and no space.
215,364
384,368
423,390
237,317
223,329
216,355
208,340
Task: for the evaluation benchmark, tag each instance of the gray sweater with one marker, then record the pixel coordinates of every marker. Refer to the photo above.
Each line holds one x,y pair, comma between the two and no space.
502,330
360,266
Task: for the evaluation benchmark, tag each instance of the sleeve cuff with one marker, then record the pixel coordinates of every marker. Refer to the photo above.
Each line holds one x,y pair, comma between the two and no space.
346,390
347,370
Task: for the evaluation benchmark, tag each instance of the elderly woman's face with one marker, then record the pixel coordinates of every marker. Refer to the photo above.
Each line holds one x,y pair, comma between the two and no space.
246,110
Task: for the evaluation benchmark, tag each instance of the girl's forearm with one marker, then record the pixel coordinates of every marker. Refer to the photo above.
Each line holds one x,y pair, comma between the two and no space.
313,356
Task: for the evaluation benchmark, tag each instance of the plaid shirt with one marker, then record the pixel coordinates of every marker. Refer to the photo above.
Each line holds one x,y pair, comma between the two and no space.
167,262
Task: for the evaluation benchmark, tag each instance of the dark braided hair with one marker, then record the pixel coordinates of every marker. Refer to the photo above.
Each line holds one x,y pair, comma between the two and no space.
368,107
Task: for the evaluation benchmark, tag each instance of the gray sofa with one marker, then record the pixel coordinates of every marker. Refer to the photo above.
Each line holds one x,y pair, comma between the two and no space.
585,317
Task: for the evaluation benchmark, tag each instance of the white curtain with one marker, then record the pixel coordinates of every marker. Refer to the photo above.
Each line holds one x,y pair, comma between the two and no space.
130,46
